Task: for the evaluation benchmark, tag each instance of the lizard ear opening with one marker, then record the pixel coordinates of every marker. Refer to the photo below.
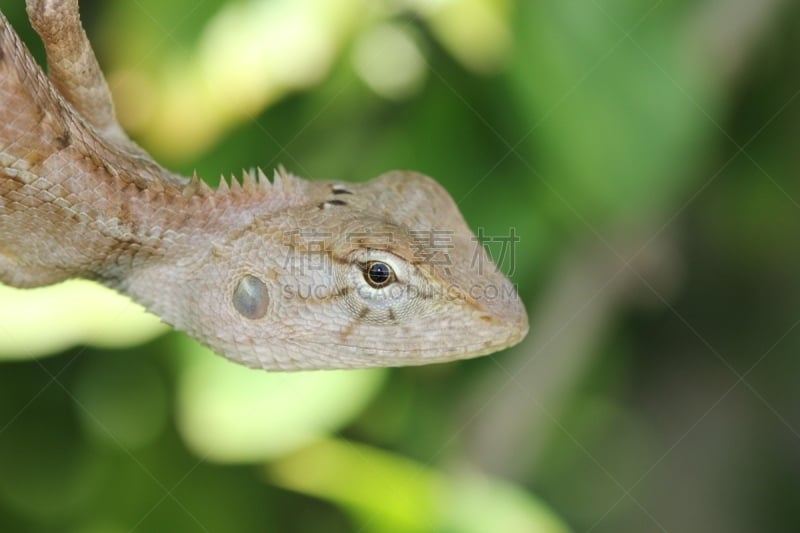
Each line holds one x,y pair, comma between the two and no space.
251,297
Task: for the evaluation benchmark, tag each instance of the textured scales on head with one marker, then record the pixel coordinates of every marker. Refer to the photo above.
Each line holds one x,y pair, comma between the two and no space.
287,274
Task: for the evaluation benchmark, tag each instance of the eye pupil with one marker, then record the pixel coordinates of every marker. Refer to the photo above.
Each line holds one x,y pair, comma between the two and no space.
379,274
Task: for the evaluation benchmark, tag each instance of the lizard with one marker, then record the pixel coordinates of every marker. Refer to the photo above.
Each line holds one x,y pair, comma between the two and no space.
288,274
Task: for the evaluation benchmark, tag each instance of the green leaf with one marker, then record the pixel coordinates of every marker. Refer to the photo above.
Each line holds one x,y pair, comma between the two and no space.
36,322
229,413
388,492
618,104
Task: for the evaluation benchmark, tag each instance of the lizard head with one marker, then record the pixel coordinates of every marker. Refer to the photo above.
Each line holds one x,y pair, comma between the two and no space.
290,275
384,273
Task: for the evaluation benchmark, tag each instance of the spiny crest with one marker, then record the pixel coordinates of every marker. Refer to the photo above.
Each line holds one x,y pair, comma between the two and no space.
196,187
255,179
249,182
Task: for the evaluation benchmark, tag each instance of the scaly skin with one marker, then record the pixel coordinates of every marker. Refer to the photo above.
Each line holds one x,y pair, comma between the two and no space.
283,275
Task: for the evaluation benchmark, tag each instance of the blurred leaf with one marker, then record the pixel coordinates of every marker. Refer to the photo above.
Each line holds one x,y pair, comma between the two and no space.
37,322
247,56
122,400
391,493
47,474
229,413
615,102
476,32
477,503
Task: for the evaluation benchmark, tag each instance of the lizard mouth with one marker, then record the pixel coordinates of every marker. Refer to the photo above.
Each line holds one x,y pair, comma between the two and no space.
344,355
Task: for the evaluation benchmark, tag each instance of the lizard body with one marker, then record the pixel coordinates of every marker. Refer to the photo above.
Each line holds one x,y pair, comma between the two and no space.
285,275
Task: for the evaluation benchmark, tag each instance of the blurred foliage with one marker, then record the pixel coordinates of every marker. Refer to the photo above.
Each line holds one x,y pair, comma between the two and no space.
641,150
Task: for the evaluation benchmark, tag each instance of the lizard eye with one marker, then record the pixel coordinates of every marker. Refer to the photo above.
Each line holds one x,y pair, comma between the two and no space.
378,274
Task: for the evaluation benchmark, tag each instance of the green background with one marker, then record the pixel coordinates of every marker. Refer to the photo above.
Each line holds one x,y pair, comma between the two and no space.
642,151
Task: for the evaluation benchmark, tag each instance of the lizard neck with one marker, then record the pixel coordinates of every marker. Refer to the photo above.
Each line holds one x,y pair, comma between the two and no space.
184,242
183,225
